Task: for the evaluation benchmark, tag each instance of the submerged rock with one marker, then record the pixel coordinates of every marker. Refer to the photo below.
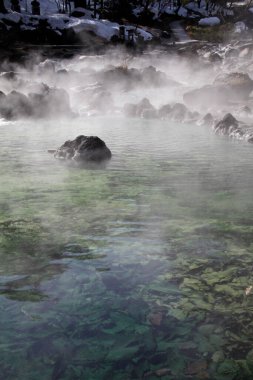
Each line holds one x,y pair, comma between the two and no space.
84,149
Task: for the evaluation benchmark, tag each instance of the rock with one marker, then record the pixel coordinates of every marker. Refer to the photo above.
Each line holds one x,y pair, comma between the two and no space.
246,110
15,105
153,77
165,111
233,128
155,318
177,112
227,125
83,149
249,359
149,113
225,89
229,369
197,367
142,109
207,120
218,357
102,101
215,57
48,66
50,102
9,75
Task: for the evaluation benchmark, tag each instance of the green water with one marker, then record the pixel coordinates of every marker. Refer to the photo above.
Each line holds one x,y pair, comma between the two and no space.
133,271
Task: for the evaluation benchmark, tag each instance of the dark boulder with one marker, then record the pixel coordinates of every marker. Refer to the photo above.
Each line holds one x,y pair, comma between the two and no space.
84,149
227,125
233,128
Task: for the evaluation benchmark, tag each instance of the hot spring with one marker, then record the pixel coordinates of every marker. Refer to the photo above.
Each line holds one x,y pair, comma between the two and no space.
137,270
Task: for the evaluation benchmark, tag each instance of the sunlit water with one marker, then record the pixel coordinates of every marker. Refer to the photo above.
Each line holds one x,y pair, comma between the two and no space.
117,272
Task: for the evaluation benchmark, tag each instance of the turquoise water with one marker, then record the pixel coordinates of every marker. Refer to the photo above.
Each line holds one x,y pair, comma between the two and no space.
136,270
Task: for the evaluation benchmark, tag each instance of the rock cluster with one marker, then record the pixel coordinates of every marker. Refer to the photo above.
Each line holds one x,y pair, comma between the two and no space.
49,102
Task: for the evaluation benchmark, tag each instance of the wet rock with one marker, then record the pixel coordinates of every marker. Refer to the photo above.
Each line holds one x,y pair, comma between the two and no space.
233,128
84,148
227,125
215,57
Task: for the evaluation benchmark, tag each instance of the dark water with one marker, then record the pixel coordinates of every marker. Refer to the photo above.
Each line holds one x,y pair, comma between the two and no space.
134,271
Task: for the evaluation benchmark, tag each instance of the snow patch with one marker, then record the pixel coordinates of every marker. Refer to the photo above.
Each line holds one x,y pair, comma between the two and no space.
240,27
209,21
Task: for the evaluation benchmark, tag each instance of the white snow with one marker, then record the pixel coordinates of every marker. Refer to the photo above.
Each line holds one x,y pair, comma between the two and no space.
209,21
13,16
182,12
240,27
58,21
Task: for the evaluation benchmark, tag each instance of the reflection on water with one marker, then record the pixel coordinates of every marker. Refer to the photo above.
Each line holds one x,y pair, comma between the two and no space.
134,271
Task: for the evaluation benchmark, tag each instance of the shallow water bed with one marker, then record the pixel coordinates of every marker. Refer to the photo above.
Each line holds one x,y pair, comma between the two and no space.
137,270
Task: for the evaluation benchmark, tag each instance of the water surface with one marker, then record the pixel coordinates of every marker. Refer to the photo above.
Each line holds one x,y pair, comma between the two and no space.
122,271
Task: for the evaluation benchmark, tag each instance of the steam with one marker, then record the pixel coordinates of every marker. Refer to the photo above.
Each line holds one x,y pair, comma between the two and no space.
92,85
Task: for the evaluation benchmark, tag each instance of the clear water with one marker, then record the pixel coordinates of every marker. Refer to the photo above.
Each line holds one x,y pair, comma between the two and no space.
123,271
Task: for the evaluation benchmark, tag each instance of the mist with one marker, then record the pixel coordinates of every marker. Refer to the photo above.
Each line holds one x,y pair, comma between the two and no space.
117,82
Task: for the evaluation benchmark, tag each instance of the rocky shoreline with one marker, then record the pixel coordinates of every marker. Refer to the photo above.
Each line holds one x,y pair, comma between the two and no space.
67,85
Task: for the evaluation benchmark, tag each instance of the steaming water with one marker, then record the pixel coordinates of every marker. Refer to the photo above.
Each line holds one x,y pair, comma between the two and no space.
116,272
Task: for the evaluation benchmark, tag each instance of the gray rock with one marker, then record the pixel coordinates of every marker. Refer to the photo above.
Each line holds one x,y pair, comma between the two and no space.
233,128
142,109
225,89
